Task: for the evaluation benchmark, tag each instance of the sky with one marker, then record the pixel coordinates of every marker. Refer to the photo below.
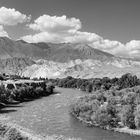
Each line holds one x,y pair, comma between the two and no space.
109,25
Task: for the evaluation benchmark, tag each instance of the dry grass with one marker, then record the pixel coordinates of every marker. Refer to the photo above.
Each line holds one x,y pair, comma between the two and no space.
10,131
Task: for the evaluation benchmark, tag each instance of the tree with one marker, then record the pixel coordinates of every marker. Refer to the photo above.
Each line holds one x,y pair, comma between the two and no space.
127,80
89,87
1,77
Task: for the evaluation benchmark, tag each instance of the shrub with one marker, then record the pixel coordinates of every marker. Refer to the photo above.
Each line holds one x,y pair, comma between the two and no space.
137,117
39,91
89,88
129,98
50,87
14,134
4,94
101,117
127,116
10,86
85,108
106,116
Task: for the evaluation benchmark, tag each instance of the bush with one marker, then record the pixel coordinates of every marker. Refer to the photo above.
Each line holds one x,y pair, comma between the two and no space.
89,88
14,134
102,118
127,116
137,117
4,94
24,92
39,91
50,87
85,108
106,116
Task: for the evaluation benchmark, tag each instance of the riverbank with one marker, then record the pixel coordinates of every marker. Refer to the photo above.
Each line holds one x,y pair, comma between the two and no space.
9,131
125,130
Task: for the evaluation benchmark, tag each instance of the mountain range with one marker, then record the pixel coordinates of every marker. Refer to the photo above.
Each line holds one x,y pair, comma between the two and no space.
62,52
60,60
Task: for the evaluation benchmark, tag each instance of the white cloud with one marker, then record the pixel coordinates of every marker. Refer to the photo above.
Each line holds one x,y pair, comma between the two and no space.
43,37
133,44
58,30
77,37
84,37
133,48
130,49
109,46
3,32
10,16
63,29
55,24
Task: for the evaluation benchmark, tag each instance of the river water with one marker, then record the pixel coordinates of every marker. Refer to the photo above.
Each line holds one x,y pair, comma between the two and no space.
50,115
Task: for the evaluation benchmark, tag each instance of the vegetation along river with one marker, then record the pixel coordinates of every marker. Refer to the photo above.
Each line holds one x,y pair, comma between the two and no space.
50,115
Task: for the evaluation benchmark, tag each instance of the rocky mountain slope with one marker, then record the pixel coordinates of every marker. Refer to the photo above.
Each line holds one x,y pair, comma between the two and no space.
60,60
14,65
81,69
63,52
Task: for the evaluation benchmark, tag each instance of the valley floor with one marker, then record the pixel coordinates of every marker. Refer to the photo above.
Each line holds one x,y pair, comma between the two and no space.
49,117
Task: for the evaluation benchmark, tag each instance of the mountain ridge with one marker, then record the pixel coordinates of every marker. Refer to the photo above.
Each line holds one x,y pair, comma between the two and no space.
50,51
60,60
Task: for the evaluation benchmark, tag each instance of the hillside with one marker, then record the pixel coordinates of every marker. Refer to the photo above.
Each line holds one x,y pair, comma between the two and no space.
66,51
81,69
14,65
60,60
63,52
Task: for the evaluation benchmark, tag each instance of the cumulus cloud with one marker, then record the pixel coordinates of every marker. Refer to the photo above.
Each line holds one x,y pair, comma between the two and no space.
78,37
3,32
113,47
84,37
55,24
133,48
11,17
130,49
59,29
43,37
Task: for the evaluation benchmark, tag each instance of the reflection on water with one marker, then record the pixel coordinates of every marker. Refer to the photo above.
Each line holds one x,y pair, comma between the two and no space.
50,115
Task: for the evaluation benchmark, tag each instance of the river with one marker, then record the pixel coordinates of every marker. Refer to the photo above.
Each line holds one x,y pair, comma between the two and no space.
50,115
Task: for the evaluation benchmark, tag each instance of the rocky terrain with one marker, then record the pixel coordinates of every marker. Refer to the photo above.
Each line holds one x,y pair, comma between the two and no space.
61,60
14,65
81,69
62,52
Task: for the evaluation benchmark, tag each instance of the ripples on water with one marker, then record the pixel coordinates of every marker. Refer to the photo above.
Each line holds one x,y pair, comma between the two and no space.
50,115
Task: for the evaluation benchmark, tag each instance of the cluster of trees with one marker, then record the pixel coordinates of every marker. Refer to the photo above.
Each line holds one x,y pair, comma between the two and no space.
111,103
12,77
93,84
110,108
23,92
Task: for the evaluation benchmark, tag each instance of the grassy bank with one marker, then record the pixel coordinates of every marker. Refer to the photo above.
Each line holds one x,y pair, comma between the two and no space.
13,132
10,131
125,130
